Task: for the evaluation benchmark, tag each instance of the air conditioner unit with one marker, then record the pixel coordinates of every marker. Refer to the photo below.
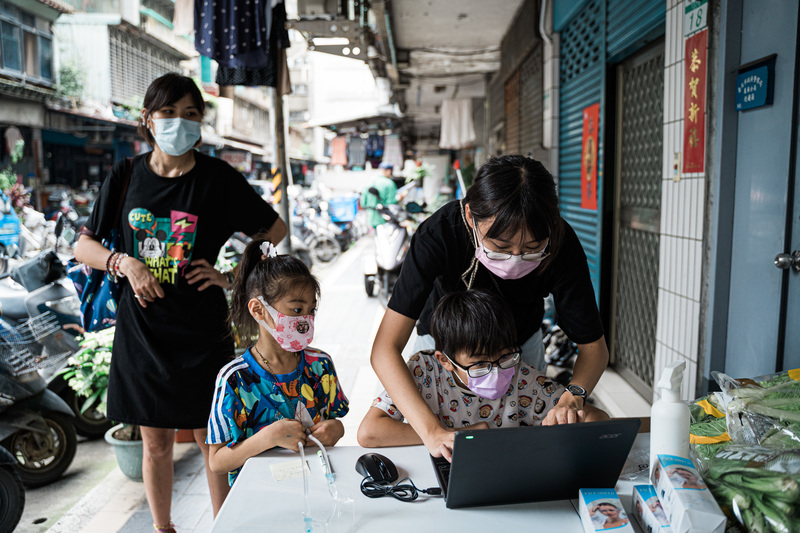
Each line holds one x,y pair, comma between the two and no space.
311,9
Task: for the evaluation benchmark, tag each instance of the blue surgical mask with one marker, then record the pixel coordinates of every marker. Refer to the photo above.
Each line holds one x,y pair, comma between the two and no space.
175,136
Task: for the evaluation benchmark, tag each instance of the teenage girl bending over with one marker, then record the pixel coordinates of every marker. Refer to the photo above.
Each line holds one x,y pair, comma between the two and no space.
279,390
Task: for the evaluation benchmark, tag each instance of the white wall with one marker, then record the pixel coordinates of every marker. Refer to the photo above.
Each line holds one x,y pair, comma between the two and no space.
341,88
682,215
83,42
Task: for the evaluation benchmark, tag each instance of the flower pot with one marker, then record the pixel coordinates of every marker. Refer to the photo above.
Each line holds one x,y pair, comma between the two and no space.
129,454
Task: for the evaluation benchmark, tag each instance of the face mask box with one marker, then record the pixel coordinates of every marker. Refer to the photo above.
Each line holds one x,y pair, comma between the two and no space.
600,510
648,509
688,503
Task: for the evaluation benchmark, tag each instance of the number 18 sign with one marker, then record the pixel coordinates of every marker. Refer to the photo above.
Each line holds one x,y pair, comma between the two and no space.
695,17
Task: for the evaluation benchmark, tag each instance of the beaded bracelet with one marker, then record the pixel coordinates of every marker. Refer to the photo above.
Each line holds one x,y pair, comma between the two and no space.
109,260
119,259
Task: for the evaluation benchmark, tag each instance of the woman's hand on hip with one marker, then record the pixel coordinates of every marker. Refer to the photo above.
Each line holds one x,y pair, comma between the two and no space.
143,283
202,272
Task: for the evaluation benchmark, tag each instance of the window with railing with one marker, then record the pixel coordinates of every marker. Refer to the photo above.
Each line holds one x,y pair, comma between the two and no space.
135,63
26,45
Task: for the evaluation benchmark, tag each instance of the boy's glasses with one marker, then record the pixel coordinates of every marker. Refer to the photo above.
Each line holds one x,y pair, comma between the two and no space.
481,368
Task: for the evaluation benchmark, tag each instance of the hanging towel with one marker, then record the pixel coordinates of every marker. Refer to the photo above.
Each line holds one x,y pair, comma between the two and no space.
339,151
393,151
356,151
457,128
183,18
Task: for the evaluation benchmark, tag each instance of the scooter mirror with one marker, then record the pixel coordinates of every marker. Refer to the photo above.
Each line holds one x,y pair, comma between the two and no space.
373,190
413,207
59,225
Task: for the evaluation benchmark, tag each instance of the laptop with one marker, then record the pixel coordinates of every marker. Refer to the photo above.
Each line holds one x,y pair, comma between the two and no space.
534,463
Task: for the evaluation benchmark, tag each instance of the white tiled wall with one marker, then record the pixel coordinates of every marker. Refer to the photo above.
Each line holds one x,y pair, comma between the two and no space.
682,214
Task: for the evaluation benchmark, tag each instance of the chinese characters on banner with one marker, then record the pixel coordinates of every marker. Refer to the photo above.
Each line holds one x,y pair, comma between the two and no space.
589,149
694,103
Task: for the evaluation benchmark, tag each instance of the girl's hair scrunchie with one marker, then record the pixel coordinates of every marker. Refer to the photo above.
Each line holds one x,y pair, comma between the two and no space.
268,250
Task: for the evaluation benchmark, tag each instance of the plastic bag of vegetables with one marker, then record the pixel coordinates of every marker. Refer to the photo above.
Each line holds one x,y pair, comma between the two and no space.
764,411
758,487
708,431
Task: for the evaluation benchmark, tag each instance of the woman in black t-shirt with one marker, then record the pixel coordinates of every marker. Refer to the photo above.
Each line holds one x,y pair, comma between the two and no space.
171,338
506,236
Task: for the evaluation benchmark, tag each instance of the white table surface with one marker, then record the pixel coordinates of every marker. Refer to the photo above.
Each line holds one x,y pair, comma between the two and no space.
259,503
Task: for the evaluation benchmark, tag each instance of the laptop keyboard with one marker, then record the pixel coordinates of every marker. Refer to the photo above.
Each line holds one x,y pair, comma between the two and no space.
442,466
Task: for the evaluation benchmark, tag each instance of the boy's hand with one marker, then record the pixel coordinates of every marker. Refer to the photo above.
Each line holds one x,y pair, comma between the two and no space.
328,432
440,443
286,433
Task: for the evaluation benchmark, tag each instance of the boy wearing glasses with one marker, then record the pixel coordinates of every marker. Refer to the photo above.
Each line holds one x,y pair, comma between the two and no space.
474,377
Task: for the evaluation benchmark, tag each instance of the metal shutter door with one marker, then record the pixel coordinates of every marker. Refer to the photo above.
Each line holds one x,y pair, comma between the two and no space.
512,114
530,105
638,216
631,22
582,79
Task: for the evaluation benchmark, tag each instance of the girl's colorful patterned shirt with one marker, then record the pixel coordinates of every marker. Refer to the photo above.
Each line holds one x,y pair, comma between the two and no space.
247,398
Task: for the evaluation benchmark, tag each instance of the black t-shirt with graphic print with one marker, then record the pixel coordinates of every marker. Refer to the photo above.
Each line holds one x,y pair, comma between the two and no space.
441,251
166,356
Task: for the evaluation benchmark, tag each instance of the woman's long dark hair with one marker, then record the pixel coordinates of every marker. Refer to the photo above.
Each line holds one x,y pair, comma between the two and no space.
520,194
272,278
473,322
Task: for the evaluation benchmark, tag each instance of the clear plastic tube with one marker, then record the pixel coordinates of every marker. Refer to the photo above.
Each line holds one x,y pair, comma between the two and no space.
309,522
306,497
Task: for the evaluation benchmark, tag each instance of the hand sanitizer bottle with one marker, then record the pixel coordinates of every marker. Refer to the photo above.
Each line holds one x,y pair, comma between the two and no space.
669,416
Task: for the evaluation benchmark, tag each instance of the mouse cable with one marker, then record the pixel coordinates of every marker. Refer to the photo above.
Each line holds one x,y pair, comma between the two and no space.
405,493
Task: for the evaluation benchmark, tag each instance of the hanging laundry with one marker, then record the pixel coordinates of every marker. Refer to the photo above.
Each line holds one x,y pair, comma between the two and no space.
356,151
374,149
339,151
183,18
393,151
457,127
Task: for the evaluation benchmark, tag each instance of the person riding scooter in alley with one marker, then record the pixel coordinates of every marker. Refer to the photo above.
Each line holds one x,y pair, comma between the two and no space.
387,194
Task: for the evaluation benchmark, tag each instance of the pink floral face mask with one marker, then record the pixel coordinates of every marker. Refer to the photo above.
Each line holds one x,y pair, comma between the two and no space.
293,333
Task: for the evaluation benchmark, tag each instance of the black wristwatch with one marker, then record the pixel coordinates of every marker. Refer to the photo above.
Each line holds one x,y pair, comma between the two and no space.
577,390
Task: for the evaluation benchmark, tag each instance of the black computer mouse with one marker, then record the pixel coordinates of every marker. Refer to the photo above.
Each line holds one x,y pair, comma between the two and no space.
376,466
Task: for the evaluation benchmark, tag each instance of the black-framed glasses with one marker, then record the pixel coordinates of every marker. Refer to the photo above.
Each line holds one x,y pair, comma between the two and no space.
504,256
481,368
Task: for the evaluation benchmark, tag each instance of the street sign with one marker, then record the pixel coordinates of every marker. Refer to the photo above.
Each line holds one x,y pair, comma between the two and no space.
755,84
695,17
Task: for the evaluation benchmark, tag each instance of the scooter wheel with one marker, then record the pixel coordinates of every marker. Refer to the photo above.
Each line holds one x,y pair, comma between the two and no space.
90,423
43,458
12,497
369,285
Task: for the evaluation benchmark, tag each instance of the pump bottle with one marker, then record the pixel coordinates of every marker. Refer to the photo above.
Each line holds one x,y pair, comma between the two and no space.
669,416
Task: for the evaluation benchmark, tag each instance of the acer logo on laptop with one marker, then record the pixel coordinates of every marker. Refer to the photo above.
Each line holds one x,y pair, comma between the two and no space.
610,436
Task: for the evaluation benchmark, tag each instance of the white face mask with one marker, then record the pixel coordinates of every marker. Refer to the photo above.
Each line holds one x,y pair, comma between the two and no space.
293,333
175,136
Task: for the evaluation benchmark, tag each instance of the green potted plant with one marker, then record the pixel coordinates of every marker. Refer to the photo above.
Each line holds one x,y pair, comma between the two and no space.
87,375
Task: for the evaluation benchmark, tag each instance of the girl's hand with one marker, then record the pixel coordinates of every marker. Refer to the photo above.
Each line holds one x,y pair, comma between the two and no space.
144,284
286,433
204,272
328,432
569,410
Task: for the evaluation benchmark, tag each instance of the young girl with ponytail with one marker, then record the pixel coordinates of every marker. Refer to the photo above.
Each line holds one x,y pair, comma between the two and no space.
280,390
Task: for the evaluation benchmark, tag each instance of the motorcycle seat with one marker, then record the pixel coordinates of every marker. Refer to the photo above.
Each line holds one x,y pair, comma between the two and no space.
12,303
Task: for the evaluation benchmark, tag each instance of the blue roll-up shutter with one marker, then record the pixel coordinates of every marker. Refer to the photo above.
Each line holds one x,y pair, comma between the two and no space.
582,81
631,25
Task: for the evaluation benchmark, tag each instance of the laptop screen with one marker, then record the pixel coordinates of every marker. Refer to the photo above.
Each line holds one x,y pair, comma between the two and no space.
535,463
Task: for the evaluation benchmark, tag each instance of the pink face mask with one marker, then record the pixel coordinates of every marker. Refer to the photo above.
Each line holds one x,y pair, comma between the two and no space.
494,384
293,333
512,268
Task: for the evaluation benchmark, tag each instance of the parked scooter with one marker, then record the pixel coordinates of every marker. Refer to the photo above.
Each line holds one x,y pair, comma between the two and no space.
12,492
234,248
9,232
392,240
39,285
35,424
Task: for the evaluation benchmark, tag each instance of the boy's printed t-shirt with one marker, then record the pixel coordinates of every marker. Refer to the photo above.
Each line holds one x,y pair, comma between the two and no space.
530,397
247,398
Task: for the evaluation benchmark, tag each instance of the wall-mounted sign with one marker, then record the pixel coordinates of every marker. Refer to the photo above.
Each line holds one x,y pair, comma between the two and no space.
755,83
694,103
695,17
589,148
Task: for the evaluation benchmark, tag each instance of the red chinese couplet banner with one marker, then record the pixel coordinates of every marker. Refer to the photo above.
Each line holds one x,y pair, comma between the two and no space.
694,103
589,149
